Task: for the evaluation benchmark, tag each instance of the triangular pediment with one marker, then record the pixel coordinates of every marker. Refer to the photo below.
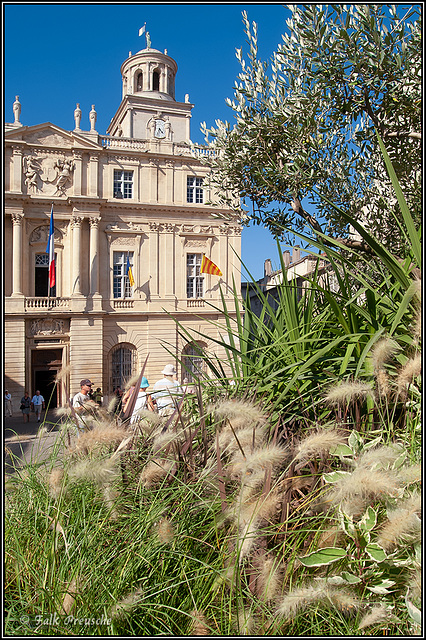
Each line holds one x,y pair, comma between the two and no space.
49,135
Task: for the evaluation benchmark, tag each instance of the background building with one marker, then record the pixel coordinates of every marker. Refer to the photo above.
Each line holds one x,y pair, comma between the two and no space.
136,194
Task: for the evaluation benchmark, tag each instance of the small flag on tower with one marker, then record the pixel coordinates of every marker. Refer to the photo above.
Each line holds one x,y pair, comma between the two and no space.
207,266
142,30
50,249
129,273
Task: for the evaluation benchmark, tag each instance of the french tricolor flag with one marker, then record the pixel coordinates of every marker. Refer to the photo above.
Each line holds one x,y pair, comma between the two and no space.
50,249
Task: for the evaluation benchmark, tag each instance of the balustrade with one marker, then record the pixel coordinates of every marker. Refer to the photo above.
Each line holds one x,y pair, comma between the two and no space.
47,303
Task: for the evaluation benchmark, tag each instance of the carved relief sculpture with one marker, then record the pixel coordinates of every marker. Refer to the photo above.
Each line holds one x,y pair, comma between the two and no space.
46,327
65,168
41,234
168,128
31,170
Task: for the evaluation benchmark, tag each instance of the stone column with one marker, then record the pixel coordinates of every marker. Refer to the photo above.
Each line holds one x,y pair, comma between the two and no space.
78,163
17,169
17,219
154,229
94,255
76,255
93,175
169,260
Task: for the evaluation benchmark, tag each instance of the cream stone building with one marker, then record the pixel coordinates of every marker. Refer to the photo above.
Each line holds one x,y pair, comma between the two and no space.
136,193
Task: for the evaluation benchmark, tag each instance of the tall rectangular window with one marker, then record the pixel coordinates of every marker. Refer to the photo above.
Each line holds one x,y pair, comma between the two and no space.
194,280
121,284
194,190
123,184
41,276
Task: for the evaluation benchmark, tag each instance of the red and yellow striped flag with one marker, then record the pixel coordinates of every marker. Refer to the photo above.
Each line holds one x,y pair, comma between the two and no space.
207,266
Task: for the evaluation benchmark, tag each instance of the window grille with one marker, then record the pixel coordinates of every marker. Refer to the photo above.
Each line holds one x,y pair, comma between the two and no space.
123,366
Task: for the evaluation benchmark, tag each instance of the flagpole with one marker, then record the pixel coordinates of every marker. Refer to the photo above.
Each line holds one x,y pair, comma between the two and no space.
48,273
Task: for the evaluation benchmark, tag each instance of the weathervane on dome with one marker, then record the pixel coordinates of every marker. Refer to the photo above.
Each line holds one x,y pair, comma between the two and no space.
143,30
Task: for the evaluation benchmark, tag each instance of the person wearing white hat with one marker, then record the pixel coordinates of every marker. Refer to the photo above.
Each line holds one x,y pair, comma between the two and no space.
165,389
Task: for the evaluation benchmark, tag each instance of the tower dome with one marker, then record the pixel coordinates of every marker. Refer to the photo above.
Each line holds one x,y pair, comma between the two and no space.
148,109
149,73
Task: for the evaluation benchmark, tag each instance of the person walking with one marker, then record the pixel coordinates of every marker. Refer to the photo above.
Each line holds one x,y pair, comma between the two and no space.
7,404
165,389
80,404
37,404
26,406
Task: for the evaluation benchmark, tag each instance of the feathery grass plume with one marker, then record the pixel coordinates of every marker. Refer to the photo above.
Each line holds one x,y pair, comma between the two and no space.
403,524
245,623
417,326
112,404
382,380
365,484
246,538
226,577
414,584
62,411
56,482
198,624
228,443
263,507
269,579
97,471
110,500
409,475
375,616
318,442
300,599
125,606
261,459
99,437
383,351
379,457
155,471
345,392
69,598
131,382
62,373
162,440
165,531
241,414
409,371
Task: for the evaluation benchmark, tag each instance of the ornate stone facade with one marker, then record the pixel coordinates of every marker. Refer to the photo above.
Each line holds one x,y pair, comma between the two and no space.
133,194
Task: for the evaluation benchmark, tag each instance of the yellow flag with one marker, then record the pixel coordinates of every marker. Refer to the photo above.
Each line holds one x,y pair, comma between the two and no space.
129,273
207,266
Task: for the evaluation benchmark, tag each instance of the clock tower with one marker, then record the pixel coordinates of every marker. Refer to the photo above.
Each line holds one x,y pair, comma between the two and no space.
148,110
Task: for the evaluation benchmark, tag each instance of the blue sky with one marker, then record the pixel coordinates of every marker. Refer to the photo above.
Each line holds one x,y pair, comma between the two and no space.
58,55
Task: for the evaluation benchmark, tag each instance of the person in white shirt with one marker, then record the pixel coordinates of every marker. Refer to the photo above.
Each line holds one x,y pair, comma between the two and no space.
165,389
37,403
143,401
79,401
7,404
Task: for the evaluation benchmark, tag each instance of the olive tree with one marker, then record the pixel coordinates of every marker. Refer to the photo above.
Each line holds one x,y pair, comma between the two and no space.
305,123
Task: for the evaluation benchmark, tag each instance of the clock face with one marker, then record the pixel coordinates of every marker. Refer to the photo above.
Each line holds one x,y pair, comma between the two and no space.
160,130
